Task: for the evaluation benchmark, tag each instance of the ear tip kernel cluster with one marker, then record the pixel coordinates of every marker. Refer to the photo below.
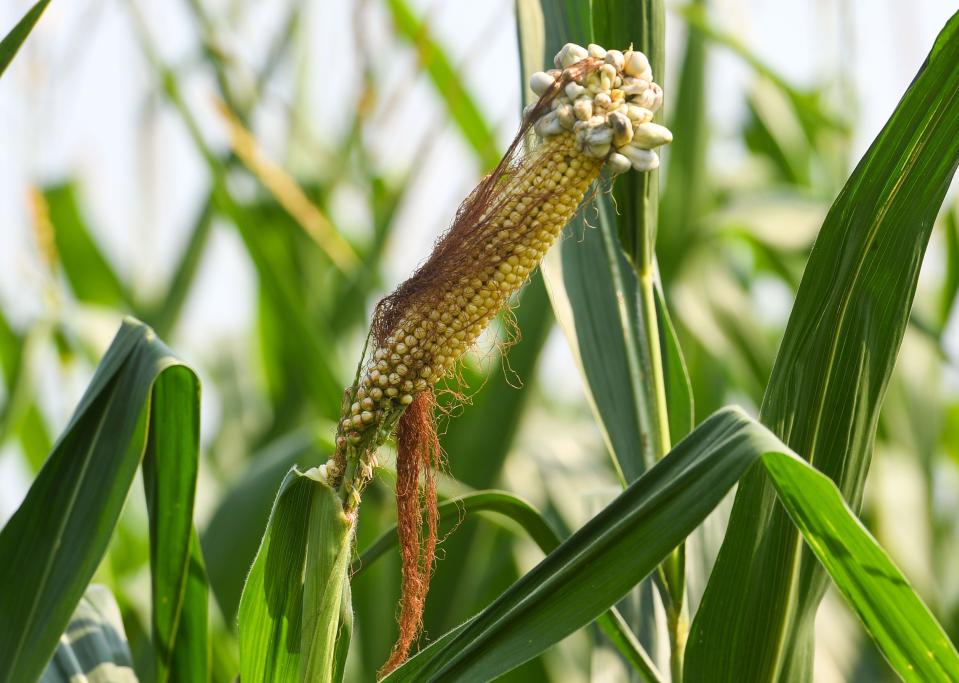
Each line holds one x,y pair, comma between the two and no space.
608,108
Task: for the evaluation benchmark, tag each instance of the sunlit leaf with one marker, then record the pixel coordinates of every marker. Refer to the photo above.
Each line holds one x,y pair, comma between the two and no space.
829,379
141,399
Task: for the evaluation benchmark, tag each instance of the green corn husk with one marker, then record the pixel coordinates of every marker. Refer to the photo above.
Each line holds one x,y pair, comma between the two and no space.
295,617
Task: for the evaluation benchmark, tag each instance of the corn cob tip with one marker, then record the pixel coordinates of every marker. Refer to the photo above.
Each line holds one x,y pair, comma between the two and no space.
609,107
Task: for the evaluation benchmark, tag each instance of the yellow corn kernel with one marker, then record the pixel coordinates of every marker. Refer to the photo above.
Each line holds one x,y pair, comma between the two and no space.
525,223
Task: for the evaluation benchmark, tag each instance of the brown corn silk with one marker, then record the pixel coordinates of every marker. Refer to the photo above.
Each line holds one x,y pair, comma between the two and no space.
419,449
499,235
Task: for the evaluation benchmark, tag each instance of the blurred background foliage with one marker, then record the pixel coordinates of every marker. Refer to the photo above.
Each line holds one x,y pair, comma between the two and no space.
248,179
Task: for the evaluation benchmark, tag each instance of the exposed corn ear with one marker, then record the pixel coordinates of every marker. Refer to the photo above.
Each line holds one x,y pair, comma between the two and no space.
595,107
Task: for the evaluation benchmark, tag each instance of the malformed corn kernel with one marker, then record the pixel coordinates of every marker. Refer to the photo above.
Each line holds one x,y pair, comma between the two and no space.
512,251
596,107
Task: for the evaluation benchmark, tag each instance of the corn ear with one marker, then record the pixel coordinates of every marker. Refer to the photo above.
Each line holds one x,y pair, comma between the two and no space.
595,109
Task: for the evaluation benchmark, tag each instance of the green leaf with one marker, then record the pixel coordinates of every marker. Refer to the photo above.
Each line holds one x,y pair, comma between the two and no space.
686,188
232,536
19,414
94,646
329,548
292,611
829,379
616,549
451,513
566,21
271,608
90,275
52,545
449,84
595,291
679,392
950,286
602,561
11,43
176,564
897,620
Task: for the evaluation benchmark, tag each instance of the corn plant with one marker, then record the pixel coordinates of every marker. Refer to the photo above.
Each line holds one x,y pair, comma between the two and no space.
313,577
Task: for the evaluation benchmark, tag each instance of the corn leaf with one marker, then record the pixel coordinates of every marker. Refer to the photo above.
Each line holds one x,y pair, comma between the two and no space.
271,609
597,565
679,392
951,285
94,646
11,43
90,275
902,626
179,586
327,618
593,291
616,549
686,187
451,513
19,414
592,285
140,399
829,379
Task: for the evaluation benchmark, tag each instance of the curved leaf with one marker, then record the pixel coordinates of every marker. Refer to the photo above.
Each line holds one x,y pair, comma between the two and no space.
451,512
90,275
615,550
232,536
829,379
897,620
141,394
602,561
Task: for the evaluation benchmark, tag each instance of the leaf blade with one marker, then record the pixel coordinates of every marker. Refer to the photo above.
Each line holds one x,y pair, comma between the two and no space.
901,625
53,543
596,566
829,378
13,41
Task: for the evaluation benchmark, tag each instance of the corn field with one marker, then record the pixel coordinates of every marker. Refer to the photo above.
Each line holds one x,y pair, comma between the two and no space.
534,340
